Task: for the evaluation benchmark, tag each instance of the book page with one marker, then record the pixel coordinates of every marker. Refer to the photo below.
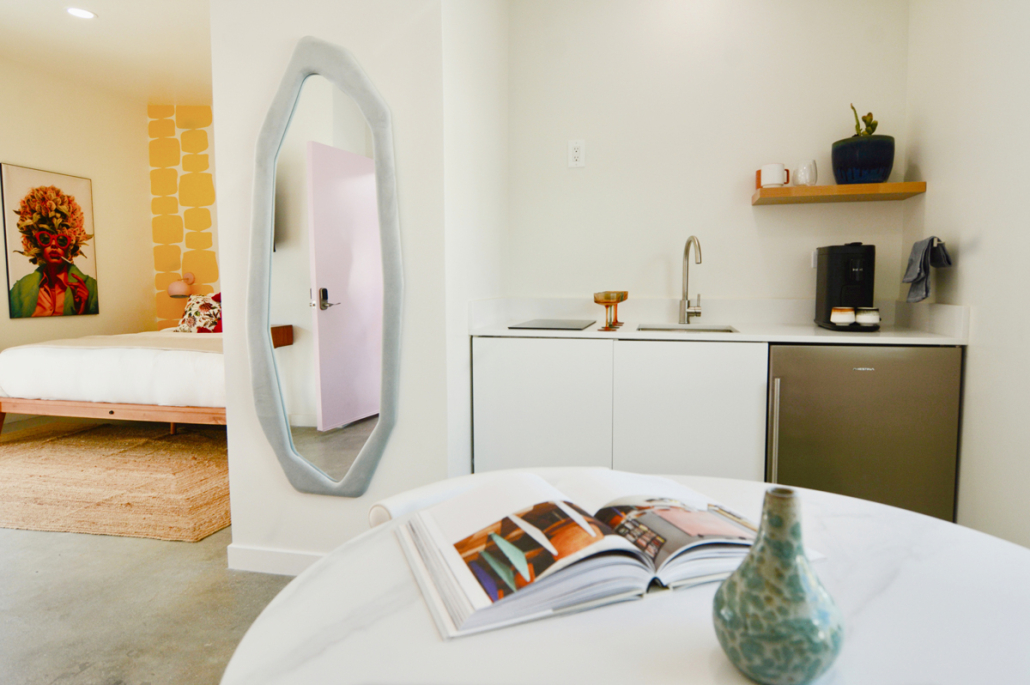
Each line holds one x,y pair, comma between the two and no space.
596,488
662,527
470,511
505,535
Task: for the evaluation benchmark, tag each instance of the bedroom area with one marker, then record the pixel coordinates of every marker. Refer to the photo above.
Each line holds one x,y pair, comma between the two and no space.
113,448
111,274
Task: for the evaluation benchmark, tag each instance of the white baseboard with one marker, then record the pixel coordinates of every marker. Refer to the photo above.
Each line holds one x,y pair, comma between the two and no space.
279,562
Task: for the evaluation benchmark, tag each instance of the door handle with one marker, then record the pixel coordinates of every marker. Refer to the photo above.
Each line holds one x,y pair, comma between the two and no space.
774,432
323,299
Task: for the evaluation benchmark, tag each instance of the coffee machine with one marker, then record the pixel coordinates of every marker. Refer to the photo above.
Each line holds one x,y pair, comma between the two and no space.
844,278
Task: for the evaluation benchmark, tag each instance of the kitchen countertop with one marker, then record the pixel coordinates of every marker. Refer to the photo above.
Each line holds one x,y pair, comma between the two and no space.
768,321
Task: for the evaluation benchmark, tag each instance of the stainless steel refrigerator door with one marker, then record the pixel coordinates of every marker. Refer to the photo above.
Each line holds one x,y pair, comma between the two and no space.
878,423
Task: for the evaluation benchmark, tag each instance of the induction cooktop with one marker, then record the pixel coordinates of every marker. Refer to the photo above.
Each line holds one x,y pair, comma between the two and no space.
555,324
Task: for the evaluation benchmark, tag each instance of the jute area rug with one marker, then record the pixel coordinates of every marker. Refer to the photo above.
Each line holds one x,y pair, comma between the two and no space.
126,479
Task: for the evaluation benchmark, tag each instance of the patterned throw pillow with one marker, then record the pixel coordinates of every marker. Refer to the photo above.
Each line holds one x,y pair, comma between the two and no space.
203,315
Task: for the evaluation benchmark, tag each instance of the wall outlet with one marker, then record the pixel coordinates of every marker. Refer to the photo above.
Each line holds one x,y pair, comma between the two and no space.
577,153
815,258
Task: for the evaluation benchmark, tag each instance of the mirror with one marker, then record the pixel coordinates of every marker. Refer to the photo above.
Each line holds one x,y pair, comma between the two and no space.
327,278
325,260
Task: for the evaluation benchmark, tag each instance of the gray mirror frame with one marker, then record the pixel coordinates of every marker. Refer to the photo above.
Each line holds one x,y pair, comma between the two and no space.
313,56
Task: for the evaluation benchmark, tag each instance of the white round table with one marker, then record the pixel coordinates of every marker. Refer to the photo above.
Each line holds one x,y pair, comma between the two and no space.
924,601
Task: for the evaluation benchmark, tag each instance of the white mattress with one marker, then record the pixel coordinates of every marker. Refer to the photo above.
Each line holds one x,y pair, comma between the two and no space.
172,369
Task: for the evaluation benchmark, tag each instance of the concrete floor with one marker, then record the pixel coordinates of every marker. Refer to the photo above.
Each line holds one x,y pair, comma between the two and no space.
103,610
335,450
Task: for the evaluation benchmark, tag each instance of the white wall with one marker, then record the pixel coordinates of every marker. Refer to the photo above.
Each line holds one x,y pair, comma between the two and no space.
350,131
398,42
968,139
101,136
475,82
679,103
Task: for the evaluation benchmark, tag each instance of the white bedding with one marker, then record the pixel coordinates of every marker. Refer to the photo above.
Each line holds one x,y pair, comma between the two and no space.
172,369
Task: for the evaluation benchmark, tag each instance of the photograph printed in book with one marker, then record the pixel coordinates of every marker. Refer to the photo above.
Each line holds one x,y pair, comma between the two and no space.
525,546
49,246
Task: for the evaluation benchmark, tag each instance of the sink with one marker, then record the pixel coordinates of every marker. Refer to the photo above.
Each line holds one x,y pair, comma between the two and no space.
686,328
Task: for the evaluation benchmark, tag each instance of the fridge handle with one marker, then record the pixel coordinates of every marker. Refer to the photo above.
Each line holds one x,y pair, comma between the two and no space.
774,430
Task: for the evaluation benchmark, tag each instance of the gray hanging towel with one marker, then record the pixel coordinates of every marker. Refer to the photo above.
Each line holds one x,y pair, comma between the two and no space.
924,255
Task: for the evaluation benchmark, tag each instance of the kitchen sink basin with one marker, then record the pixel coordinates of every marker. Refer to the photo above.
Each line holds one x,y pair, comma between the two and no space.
686,328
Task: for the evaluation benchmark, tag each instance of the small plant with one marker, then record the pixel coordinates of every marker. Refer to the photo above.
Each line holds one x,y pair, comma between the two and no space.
870,123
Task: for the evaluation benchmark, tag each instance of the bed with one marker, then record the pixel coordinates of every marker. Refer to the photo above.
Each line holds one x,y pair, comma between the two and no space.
153,376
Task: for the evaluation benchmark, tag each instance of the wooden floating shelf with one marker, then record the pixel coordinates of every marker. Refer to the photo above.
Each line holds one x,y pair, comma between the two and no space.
859,192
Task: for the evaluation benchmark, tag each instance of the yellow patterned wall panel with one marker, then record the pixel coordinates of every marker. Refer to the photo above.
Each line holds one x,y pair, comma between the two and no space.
167,229
169,309
163,280
194,163
164,152
196,190
192,117
167,257
197,219
160,111
164,205
182,182
202,264
163,181
197,240
194,141
161,128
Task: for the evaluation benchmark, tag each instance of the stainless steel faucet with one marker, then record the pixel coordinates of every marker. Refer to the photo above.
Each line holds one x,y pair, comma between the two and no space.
686,311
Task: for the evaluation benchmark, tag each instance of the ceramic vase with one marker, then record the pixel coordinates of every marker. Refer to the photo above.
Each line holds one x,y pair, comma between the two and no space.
773,618
863,159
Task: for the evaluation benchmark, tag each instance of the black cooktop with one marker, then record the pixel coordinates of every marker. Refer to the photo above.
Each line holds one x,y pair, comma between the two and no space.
556,324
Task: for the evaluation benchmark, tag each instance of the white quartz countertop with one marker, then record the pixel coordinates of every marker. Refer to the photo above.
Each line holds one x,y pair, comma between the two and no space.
773,321
759,332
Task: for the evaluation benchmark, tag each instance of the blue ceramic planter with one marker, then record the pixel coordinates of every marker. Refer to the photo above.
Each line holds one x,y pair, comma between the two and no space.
863,159
773,618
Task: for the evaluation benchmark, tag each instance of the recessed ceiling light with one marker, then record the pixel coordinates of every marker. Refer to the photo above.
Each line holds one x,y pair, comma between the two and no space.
81,14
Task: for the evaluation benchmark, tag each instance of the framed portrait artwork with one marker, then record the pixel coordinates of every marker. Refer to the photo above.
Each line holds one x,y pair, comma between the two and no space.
49,243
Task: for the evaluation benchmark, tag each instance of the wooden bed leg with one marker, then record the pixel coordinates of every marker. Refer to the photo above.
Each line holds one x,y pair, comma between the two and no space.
171,429
3,415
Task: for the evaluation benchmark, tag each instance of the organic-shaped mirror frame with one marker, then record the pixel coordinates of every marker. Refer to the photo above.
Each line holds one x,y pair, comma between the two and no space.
313,56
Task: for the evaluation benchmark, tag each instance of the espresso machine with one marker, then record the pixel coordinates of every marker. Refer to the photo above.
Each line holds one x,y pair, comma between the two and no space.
844,278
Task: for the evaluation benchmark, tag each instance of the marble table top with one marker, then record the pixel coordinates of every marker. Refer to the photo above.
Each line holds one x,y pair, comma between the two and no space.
924,602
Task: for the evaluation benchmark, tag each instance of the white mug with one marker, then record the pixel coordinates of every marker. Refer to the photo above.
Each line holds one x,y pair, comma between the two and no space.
774,176
806,173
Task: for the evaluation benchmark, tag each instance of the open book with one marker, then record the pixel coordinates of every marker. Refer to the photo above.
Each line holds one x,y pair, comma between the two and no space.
519,548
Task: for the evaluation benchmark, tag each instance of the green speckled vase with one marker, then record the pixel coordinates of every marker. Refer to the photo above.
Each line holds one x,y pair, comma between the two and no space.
773,618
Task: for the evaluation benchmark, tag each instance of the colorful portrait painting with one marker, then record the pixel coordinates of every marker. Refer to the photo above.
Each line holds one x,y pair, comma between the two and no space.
49,241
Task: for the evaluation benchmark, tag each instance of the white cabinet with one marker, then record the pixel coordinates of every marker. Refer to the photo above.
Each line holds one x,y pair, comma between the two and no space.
694,408
541,402
676,407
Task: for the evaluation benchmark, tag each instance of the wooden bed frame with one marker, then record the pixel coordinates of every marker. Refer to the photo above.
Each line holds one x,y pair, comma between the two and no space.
104,410
282,336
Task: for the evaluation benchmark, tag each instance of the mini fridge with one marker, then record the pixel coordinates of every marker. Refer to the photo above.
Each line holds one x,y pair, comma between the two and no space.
875,422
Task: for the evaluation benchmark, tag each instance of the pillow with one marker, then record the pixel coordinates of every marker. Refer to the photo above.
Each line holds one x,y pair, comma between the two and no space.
203,315
217,297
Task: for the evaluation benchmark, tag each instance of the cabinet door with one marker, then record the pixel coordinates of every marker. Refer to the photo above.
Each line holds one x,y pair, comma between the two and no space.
541,402
692,408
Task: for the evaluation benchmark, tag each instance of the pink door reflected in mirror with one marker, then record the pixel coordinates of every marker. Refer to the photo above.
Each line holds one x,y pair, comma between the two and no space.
346,284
